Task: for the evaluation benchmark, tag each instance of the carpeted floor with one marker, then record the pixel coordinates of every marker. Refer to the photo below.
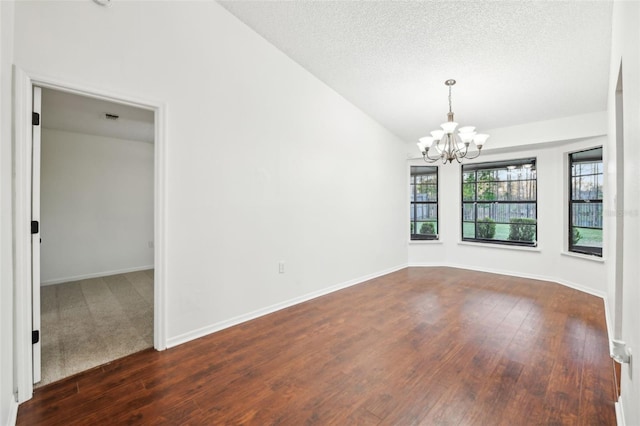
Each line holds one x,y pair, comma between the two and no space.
91,322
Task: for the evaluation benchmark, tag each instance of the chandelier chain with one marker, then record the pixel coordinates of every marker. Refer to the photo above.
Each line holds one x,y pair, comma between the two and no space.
450,99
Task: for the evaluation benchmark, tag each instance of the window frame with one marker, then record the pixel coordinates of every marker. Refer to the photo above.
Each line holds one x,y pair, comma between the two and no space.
496,165
571,247
413,203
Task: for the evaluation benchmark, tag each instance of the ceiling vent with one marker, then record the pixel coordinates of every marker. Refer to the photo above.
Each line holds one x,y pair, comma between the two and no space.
113,117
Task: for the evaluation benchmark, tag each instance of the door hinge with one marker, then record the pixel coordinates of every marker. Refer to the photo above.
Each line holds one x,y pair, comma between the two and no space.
35,336
35,118
35,226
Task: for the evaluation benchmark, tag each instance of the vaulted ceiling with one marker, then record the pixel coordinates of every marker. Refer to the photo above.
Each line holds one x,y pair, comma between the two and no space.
514,61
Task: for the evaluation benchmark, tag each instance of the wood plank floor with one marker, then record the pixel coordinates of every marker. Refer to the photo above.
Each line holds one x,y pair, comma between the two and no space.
432,346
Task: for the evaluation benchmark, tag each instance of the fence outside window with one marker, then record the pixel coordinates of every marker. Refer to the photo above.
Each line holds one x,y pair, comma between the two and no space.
499,202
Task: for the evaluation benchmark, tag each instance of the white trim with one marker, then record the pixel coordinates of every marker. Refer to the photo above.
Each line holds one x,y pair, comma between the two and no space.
426,242
598,293
22,234
23,87
195,334
535,249
620,421
95,275
427,265
12,418
160,310
583,256
609,322
515,274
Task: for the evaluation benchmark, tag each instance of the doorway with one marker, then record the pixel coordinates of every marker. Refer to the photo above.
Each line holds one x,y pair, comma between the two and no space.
26,325
96,232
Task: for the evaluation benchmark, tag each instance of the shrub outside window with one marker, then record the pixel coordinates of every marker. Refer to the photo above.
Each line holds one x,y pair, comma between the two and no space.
585,203
499,202
424,203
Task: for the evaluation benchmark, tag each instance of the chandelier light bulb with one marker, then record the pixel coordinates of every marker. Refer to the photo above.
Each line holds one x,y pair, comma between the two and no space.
480,139
449,127
467,137
426,141
437,135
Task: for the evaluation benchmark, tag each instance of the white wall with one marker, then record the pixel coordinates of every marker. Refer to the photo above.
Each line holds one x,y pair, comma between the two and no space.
265,163
548,132
8,406
626,49
96,206
548,261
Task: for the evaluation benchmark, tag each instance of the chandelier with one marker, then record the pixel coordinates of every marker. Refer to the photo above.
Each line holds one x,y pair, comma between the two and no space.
450,146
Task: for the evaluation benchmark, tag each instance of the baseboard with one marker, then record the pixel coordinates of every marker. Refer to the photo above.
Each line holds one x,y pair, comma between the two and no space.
13,412
204,331
608,320
95,275
620,413
427,265
515,274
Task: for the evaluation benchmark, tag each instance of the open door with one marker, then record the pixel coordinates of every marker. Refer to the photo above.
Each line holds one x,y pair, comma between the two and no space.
27,168
35,235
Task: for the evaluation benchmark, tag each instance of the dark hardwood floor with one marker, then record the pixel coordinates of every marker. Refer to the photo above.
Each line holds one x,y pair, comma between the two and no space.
431,346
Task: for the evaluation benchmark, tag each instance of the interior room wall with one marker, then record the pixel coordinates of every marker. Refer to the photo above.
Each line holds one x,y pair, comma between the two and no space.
265,163
626,50
96,206
8,405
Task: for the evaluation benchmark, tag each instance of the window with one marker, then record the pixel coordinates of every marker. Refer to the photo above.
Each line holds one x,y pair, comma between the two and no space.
585,203
424,203
499,202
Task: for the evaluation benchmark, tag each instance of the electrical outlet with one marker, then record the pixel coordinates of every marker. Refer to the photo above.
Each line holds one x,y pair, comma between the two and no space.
281,267
150,244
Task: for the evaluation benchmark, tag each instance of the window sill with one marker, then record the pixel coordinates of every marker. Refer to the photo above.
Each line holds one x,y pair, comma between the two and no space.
583,256
500,246
420,242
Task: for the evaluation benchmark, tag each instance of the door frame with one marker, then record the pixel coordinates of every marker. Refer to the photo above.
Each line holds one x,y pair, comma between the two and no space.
23,91
36,167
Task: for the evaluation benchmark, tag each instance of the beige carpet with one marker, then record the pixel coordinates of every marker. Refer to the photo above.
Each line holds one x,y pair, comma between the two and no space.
91,322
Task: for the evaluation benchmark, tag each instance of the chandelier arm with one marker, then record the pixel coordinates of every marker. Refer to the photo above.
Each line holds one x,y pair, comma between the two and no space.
475,156
452,146
428,159
460,152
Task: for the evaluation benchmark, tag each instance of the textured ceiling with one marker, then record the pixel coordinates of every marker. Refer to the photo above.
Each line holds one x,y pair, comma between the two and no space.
81,114
515,62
